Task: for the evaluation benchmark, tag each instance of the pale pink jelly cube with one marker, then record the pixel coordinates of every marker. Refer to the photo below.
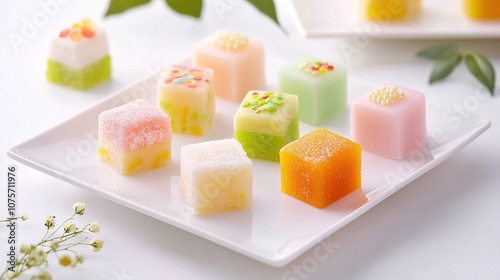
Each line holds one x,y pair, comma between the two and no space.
134,137
389,121
237,61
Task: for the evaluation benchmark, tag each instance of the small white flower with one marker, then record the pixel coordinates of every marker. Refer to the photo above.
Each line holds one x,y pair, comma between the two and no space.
50,222
79,258
94,227
79,208
65,260
42,275
54,245
96,244
70,227
24,249
36,258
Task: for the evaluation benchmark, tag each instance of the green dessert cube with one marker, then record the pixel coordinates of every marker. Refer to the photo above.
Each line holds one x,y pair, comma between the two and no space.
78,56
81,79
265,122
320,86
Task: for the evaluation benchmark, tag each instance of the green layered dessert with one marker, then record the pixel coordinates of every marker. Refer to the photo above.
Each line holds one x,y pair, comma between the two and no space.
79,56
265,122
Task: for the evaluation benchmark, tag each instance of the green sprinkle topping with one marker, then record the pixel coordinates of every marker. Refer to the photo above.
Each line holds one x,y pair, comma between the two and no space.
263,102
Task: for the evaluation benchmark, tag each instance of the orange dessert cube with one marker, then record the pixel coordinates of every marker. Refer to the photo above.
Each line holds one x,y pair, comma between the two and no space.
482,9
320,168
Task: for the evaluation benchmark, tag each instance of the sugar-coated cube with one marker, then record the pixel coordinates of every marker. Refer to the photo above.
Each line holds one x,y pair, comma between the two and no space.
216,176
237,61
79,56
186,94
320,168
320,86
388,10
482,9
265,122
389,121
134,137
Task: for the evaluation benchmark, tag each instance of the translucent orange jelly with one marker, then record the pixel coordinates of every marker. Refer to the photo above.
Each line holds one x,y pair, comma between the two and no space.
320,168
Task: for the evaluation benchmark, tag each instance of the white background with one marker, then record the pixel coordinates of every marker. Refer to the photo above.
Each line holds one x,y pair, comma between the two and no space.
444,225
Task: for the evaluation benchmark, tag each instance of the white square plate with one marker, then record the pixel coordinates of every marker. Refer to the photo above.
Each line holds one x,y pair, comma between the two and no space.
278,228
439,19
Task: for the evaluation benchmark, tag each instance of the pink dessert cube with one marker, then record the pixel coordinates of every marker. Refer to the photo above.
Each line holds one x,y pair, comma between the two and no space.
237,61
134,137
389,121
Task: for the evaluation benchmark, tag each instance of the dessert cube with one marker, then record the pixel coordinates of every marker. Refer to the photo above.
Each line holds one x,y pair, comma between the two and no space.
388,10
186,94
237,61
389,121
216,176
265,122
320,86
134,137
320,168
482,9
79,56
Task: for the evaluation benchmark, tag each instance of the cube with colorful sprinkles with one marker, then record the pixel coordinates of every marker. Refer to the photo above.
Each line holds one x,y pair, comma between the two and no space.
134,137
79,56
265,122
390,121
320,86
237,61
320,168
216,176
186,94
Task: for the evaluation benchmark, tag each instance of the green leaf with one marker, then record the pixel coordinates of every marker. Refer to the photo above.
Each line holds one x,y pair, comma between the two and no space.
186,7
267,8
120,6
444,66
439,51
482,69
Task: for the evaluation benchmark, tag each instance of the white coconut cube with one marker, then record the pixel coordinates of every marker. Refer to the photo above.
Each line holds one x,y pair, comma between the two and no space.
216,176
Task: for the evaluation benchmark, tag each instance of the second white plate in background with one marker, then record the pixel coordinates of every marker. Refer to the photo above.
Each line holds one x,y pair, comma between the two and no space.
439,19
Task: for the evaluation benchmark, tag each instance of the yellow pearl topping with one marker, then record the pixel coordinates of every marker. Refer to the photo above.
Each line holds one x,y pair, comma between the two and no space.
230,41
386,95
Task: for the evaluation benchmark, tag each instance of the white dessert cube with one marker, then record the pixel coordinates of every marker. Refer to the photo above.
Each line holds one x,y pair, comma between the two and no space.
216,176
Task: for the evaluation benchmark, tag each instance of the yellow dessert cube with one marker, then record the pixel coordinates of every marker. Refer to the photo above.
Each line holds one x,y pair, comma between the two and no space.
388,10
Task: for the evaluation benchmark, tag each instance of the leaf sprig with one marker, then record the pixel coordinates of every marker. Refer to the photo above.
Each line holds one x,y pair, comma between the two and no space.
191,8
447,57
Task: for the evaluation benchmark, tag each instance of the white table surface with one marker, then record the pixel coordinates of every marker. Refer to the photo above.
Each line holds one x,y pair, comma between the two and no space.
444,225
